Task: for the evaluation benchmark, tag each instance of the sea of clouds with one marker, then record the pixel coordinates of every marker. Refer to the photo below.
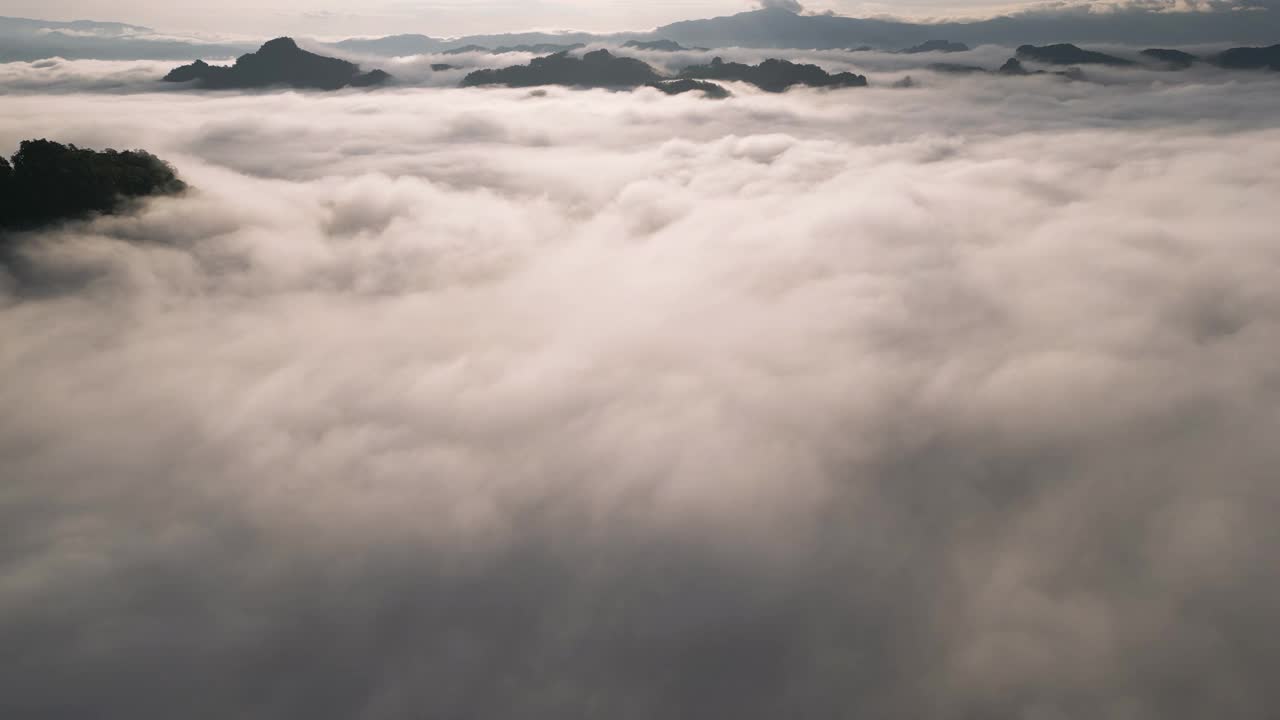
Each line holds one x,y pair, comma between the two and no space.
952,402
56,75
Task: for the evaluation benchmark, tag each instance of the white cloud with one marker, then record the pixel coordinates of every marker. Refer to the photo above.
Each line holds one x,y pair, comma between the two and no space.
789,5
947,402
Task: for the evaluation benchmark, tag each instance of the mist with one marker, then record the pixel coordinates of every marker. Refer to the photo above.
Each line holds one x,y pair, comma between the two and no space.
951,402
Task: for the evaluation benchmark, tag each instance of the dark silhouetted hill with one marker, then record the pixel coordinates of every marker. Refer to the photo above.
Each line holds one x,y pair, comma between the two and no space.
1068,54
596,69
773,75
936,46
278,62
1250,58
1013,68
48,182
1175,59
684,85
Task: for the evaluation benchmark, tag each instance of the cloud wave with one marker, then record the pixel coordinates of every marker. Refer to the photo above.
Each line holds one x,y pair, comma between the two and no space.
951,402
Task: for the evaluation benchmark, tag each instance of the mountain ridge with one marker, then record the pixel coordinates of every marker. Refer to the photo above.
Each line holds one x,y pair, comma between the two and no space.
277,62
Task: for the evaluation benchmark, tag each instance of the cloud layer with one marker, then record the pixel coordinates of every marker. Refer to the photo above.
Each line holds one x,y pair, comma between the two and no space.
950,402
63,76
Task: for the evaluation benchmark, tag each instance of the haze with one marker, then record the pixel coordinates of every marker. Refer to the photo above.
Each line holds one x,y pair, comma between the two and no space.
448,17
950,397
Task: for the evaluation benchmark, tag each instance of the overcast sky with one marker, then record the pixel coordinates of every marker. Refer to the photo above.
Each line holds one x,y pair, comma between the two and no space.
446,17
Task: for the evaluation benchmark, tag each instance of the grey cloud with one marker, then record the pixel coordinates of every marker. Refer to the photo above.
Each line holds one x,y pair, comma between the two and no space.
59,75
954,402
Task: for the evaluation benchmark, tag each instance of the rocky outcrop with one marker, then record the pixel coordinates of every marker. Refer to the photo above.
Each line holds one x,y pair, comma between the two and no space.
278,62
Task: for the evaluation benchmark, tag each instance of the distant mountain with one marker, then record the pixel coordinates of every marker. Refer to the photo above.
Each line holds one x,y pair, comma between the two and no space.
773,75
945,46
108,29
684,85
773,27
537,48
466,49
777,27
661,45
1174,59
780,28
1068,54
394,45
598,69
1250,58
537,38
48,182
404,45
26,40
278,62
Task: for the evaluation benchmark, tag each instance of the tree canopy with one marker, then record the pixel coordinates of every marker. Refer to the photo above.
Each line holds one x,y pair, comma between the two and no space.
47,181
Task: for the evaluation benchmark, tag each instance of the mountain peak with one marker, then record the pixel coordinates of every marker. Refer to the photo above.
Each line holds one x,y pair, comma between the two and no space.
280,44
278,62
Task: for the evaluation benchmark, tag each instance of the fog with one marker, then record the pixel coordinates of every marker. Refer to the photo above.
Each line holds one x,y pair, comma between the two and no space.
60,76
950,402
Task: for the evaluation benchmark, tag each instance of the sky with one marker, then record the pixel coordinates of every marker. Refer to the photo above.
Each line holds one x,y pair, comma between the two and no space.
442,17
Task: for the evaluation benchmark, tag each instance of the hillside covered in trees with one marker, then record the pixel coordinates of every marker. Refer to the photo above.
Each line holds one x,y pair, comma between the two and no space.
46,181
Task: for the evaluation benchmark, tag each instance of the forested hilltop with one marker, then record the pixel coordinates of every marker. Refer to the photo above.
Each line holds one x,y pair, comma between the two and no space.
46,181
